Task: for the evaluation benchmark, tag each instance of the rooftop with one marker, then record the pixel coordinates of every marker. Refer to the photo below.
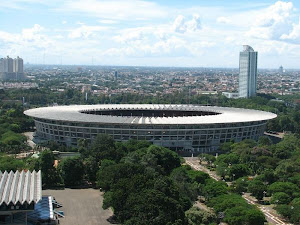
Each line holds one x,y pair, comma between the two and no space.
154,114
20,187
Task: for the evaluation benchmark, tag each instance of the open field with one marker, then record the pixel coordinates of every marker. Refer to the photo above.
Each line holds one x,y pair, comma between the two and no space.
81,206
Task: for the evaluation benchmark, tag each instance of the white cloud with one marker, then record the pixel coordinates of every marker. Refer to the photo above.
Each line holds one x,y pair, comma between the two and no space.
180,24
64,22
30,41
115,9
108,21
223,19
32,33
294,35
85,31
272,22
194,24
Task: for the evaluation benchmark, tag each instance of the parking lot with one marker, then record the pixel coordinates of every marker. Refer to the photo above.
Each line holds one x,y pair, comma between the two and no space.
81,206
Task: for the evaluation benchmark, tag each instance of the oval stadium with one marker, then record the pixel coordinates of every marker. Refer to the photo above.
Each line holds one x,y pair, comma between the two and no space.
183,128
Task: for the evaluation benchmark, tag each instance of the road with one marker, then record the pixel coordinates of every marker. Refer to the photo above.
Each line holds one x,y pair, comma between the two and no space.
270,216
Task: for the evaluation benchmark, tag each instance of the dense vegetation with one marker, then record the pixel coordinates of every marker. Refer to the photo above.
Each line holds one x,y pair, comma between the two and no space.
12,123
274,170
143,184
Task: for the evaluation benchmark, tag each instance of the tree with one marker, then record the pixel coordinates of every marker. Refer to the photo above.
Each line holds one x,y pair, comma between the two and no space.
197,216
50,176
198,176
91,168
187,189
110,174
284,210
240,185
235,215
72,171
264,141
226,147
286,187
254,217
257,188
228,159
238,170
9,163
214,188
157,158
280,198
103,147
208,158
223,202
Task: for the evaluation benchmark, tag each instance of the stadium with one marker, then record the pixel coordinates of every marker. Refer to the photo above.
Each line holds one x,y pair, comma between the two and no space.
184,128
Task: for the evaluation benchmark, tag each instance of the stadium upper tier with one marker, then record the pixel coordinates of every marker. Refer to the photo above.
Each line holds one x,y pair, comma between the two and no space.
149,114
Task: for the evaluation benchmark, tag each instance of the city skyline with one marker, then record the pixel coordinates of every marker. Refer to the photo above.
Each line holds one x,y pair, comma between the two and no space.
150,33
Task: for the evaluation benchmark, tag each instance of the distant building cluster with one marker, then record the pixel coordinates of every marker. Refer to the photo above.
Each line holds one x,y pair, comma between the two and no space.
11,69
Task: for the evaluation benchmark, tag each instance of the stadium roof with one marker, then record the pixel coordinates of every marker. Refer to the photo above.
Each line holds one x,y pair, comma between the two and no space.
73,113
20,187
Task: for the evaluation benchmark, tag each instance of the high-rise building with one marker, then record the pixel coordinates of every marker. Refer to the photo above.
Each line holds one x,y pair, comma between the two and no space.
280,70
11,69
248,72
116,75
6,65
18,65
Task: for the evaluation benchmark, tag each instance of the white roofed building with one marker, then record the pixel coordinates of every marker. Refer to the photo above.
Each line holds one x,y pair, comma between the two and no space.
184,128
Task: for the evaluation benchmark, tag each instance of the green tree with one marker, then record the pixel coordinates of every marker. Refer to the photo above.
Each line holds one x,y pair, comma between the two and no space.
214,188
264,141
240,185
257,188
280,198
50,175
197,216
9,163
254,217
72,171
286,187
91,168
238,170
103,147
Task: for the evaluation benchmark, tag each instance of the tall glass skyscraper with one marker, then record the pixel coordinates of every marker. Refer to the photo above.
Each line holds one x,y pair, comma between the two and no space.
248,72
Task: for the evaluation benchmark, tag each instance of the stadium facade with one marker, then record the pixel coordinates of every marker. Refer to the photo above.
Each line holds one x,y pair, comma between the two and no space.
186,128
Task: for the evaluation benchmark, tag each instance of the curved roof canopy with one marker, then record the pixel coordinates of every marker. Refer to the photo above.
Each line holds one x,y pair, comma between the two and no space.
248,48
75,113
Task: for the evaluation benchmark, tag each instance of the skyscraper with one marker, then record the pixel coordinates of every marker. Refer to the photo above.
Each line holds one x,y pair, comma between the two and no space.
248,72
11,69
18,65
280,70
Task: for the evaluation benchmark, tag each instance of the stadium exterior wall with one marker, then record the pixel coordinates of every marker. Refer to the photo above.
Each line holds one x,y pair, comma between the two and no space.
185,137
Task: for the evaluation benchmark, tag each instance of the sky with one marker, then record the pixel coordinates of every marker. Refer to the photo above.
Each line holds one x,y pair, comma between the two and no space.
190,33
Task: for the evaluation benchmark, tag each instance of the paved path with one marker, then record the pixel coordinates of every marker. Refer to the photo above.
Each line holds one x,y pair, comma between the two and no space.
29,136
81,206
271,217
